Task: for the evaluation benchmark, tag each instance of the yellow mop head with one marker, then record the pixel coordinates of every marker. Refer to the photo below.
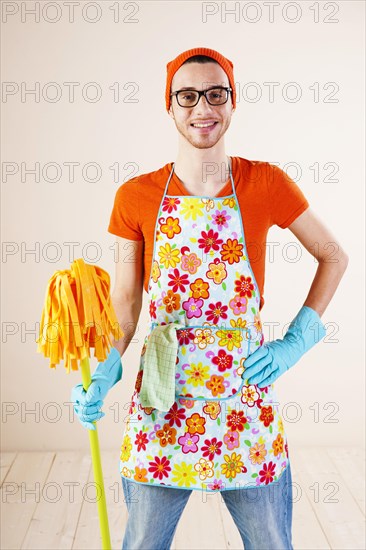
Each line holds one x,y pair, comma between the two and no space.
77,315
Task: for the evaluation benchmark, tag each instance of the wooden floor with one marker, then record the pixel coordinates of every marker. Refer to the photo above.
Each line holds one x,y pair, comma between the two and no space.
47,503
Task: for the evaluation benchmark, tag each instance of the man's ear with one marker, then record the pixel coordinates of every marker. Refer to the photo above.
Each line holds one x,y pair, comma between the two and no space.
170,112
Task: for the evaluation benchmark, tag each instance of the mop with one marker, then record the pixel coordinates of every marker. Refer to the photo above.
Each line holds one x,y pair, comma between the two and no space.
78,315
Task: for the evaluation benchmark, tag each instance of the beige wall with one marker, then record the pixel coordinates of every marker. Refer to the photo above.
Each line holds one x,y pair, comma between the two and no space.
322,397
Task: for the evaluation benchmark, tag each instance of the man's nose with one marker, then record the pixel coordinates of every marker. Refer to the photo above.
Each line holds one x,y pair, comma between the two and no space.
202,104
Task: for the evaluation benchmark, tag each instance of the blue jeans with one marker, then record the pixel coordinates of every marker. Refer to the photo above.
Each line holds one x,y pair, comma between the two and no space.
263,515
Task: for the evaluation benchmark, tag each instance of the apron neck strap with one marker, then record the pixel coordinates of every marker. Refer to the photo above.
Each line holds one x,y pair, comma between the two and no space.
167,183
172,170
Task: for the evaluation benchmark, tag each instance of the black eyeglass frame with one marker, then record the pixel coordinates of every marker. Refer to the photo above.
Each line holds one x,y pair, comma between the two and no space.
204,92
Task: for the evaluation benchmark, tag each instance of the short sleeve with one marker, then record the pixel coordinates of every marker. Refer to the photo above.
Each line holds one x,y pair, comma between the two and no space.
286,199
125,216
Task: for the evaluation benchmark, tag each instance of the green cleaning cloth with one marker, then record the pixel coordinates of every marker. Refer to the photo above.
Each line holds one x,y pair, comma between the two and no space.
158,380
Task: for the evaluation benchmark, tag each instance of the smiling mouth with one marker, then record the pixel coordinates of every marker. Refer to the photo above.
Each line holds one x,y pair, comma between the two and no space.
203,124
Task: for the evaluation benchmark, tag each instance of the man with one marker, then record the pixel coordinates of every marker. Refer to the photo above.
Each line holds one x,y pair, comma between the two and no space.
203,414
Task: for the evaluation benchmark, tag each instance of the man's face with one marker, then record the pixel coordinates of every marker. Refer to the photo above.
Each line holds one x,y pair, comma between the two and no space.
200,76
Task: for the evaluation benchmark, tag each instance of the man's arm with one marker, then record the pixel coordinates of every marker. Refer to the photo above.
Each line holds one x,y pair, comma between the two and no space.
128,289
333,260
271,360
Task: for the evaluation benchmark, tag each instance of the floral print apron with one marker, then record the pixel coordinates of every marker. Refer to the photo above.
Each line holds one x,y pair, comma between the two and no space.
221,433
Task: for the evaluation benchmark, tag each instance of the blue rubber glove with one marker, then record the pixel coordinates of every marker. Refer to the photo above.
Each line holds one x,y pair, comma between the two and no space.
87,405
274,358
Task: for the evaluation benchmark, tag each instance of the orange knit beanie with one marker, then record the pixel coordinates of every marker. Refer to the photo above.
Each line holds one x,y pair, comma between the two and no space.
174,65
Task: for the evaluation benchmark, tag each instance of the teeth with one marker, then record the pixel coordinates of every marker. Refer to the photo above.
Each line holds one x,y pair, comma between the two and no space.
198,125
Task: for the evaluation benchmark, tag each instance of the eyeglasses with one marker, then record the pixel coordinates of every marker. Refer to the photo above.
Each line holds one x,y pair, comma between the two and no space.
214,96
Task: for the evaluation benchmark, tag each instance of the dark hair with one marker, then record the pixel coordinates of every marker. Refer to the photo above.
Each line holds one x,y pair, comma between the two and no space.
200,59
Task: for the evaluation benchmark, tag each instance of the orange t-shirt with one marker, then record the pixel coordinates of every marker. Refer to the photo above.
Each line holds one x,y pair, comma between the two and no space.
267,196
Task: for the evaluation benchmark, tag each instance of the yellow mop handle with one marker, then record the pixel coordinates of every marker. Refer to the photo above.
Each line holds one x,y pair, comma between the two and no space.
97,465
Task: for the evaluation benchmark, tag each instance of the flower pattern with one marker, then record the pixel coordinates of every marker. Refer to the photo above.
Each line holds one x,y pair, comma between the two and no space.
220,432
170,227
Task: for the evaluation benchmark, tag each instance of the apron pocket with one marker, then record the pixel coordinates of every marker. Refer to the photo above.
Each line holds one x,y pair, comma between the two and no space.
209,360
